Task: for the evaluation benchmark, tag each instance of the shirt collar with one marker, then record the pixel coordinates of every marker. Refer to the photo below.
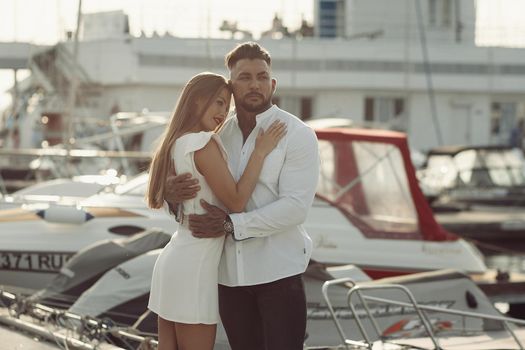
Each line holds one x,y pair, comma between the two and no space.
233,116
266,113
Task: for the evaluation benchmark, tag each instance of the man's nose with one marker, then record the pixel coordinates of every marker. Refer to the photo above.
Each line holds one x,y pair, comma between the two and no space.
254,84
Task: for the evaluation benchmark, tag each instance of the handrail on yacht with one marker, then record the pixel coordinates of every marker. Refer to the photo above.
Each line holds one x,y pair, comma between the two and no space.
328,284
357,289
503,319
413,303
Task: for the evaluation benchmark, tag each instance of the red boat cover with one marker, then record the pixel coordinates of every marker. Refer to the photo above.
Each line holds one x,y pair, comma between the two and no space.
346,170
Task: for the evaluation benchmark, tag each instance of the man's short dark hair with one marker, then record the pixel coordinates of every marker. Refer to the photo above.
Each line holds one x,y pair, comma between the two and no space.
250,50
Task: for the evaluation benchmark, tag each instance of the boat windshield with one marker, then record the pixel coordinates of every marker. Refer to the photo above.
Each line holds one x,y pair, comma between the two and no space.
477,168
368,182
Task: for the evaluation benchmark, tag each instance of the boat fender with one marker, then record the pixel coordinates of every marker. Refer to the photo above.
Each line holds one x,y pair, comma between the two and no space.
471,300
65,215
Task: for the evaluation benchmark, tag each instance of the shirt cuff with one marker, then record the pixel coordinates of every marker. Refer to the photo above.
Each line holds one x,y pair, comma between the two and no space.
239,227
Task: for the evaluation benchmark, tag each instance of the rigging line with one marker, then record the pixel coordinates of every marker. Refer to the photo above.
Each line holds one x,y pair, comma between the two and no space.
491,247
363,174
374,154
428,73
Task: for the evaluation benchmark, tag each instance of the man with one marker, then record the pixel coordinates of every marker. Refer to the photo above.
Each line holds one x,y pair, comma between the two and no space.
261,294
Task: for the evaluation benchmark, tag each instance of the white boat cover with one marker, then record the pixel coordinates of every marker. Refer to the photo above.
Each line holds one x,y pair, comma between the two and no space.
90,263
125,282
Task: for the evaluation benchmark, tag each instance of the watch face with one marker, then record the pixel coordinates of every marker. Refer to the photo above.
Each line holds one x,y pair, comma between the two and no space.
228,226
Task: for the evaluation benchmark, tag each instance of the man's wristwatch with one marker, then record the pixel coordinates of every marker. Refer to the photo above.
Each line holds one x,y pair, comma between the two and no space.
228,225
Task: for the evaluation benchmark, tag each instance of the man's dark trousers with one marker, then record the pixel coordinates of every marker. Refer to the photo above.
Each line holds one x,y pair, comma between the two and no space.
268,316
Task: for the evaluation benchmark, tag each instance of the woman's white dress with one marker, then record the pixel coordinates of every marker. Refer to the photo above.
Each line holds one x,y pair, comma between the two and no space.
184,283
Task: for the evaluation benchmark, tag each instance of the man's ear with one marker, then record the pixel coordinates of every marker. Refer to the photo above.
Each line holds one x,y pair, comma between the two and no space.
274,85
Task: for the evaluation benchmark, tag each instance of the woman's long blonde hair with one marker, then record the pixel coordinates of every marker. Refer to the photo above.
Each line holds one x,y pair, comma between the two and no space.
198,94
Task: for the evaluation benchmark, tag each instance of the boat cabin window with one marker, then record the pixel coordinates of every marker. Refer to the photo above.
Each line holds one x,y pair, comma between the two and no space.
476,168
505,167
368,182
446,171
441,172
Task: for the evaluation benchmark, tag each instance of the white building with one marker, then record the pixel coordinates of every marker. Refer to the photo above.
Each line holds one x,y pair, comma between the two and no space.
445,20
376,79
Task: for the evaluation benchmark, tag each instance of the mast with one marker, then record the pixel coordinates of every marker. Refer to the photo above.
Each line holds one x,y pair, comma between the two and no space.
69,130
428,73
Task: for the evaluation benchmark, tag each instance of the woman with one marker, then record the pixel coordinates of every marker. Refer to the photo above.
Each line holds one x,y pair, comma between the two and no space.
184,283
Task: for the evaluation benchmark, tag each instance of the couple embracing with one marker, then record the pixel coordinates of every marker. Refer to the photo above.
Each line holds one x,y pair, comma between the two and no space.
242,191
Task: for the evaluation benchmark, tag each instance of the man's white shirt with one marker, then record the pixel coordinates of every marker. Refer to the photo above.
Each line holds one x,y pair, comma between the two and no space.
270,242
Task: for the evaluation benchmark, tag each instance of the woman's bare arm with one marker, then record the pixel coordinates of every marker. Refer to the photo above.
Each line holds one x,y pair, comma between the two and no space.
212,165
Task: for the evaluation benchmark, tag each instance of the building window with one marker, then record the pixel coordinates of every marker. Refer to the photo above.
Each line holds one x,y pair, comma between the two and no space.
504,117
446,14
440,13
432,12
331,18
388,112
369,109
306,108
300,106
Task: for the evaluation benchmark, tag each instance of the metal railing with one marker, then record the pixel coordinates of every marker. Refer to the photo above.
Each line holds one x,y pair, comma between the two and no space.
87,328
345,280
419,309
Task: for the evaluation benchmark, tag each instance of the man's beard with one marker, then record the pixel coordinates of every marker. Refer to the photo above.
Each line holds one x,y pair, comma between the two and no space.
254,108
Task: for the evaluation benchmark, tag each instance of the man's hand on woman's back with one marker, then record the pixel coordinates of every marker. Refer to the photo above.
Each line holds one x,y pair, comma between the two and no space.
180,188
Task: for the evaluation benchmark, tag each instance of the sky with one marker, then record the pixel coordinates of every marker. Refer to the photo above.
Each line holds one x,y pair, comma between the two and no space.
500,22
46,21
43,21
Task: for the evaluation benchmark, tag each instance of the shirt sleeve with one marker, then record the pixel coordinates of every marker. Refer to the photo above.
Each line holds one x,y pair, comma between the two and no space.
297,185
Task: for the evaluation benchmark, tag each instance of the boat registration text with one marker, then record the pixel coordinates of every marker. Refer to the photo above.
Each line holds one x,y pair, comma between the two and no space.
35,261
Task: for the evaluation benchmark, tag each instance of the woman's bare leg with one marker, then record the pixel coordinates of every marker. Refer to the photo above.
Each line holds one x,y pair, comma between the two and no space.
167,335
195,336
